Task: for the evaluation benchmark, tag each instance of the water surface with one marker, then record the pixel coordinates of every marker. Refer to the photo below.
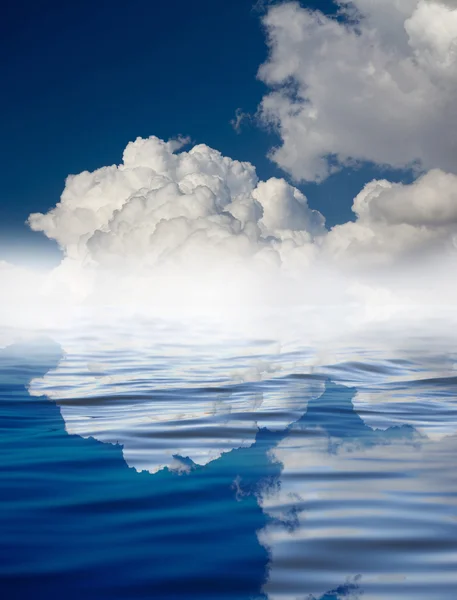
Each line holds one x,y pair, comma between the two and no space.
164,465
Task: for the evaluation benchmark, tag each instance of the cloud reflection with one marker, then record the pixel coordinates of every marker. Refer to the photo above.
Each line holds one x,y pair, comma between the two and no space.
377,503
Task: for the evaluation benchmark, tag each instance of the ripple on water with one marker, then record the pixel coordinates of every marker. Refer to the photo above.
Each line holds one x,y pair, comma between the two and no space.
365,498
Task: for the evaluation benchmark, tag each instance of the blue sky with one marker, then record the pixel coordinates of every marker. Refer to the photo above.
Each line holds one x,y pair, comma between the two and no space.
82,79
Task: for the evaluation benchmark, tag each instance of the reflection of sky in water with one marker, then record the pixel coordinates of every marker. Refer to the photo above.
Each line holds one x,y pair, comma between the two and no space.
366,496
381,505
162,397
162,389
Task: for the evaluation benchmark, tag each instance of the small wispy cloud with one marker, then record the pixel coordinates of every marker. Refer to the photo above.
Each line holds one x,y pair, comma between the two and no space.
240,119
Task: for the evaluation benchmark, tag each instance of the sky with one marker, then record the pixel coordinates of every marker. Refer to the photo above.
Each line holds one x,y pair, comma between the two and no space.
83,79
224,145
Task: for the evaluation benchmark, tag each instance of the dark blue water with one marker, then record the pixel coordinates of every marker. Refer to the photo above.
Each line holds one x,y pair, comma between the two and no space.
325,507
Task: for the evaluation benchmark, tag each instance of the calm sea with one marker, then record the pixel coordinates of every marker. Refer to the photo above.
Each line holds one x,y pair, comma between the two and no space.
145,462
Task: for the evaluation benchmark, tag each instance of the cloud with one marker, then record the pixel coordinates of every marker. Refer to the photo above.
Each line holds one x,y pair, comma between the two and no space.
174,231
239,119
379,86
188,213
178,208
193,229
396,222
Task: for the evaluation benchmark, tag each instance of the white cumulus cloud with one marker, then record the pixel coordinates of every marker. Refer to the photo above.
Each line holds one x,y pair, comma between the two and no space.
399,222
379,86
195,228
161,205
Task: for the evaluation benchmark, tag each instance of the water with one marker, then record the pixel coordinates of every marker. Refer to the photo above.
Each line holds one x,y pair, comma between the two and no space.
149,462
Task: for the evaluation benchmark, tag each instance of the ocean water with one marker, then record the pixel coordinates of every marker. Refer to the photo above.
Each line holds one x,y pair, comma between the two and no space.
142,461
